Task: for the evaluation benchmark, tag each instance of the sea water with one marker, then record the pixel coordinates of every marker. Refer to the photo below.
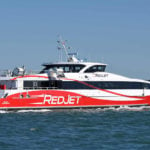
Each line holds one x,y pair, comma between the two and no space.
82,129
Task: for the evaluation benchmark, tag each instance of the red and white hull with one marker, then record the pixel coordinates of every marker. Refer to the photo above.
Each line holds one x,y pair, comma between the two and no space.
65,99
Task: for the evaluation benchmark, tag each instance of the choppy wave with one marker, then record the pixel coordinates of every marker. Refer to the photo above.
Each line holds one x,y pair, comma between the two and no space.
126,108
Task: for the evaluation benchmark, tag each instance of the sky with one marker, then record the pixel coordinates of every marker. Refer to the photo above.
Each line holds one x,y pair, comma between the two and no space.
115,32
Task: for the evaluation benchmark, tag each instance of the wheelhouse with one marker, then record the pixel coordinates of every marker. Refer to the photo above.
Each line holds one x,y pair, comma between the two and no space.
75,68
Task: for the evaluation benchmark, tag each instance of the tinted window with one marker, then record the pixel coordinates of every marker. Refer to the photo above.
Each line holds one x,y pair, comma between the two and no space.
66,68
74,85
104,85
10,84
36,84
84,85
96,68
118,85
146,86
42,84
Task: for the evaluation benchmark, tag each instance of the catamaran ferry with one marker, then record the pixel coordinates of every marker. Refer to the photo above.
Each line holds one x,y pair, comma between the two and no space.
70,84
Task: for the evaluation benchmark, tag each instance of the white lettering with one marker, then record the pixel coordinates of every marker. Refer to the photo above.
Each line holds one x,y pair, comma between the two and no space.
47,98
72,99
54,100
60,100
78,98
101,75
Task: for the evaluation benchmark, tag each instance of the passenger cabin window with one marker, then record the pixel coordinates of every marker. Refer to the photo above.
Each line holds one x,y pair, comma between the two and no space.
69,85
96,68
72,68
7,84
42,84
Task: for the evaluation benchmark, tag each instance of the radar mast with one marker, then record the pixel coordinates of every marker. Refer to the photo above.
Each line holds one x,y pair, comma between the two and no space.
62,45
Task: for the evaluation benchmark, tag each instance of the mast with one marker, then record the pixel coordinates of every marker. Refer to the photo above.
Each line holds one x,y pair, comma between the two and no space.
70,57
62,46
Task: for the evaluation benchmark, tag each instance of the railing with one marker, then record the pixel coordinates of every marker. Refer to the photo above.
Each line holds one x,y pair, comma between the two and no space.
5,73
39,88
8,73
32,72
30,88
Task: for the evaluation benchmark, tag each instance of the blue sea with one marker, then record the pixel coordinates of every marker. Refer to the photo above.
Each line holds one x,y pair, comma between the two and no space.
82,129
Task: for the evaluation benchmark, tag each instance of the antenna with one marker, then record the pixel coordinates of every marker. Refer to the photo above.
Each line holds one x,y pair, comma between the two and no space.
62,45
70,57
60,54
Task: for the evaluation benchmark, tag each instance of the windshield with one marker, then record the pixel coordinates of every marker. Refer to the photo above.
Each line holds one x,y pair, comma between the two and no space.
66,68
96,68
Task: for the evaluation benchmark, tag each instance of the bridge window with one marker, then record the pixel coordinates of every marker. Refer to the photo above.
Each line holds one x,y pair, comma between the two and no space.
96,68
69,68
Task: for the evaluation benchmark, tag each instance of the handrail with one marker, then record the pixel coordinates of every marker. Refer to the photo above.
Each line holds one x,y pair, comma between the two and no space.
8,73
37,88
32,88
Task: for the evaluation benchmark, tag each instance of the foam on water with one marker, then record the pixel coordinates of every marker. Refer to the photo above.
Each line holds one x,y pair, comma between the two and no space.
121,108
3,111
25,111
34,110
126,108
